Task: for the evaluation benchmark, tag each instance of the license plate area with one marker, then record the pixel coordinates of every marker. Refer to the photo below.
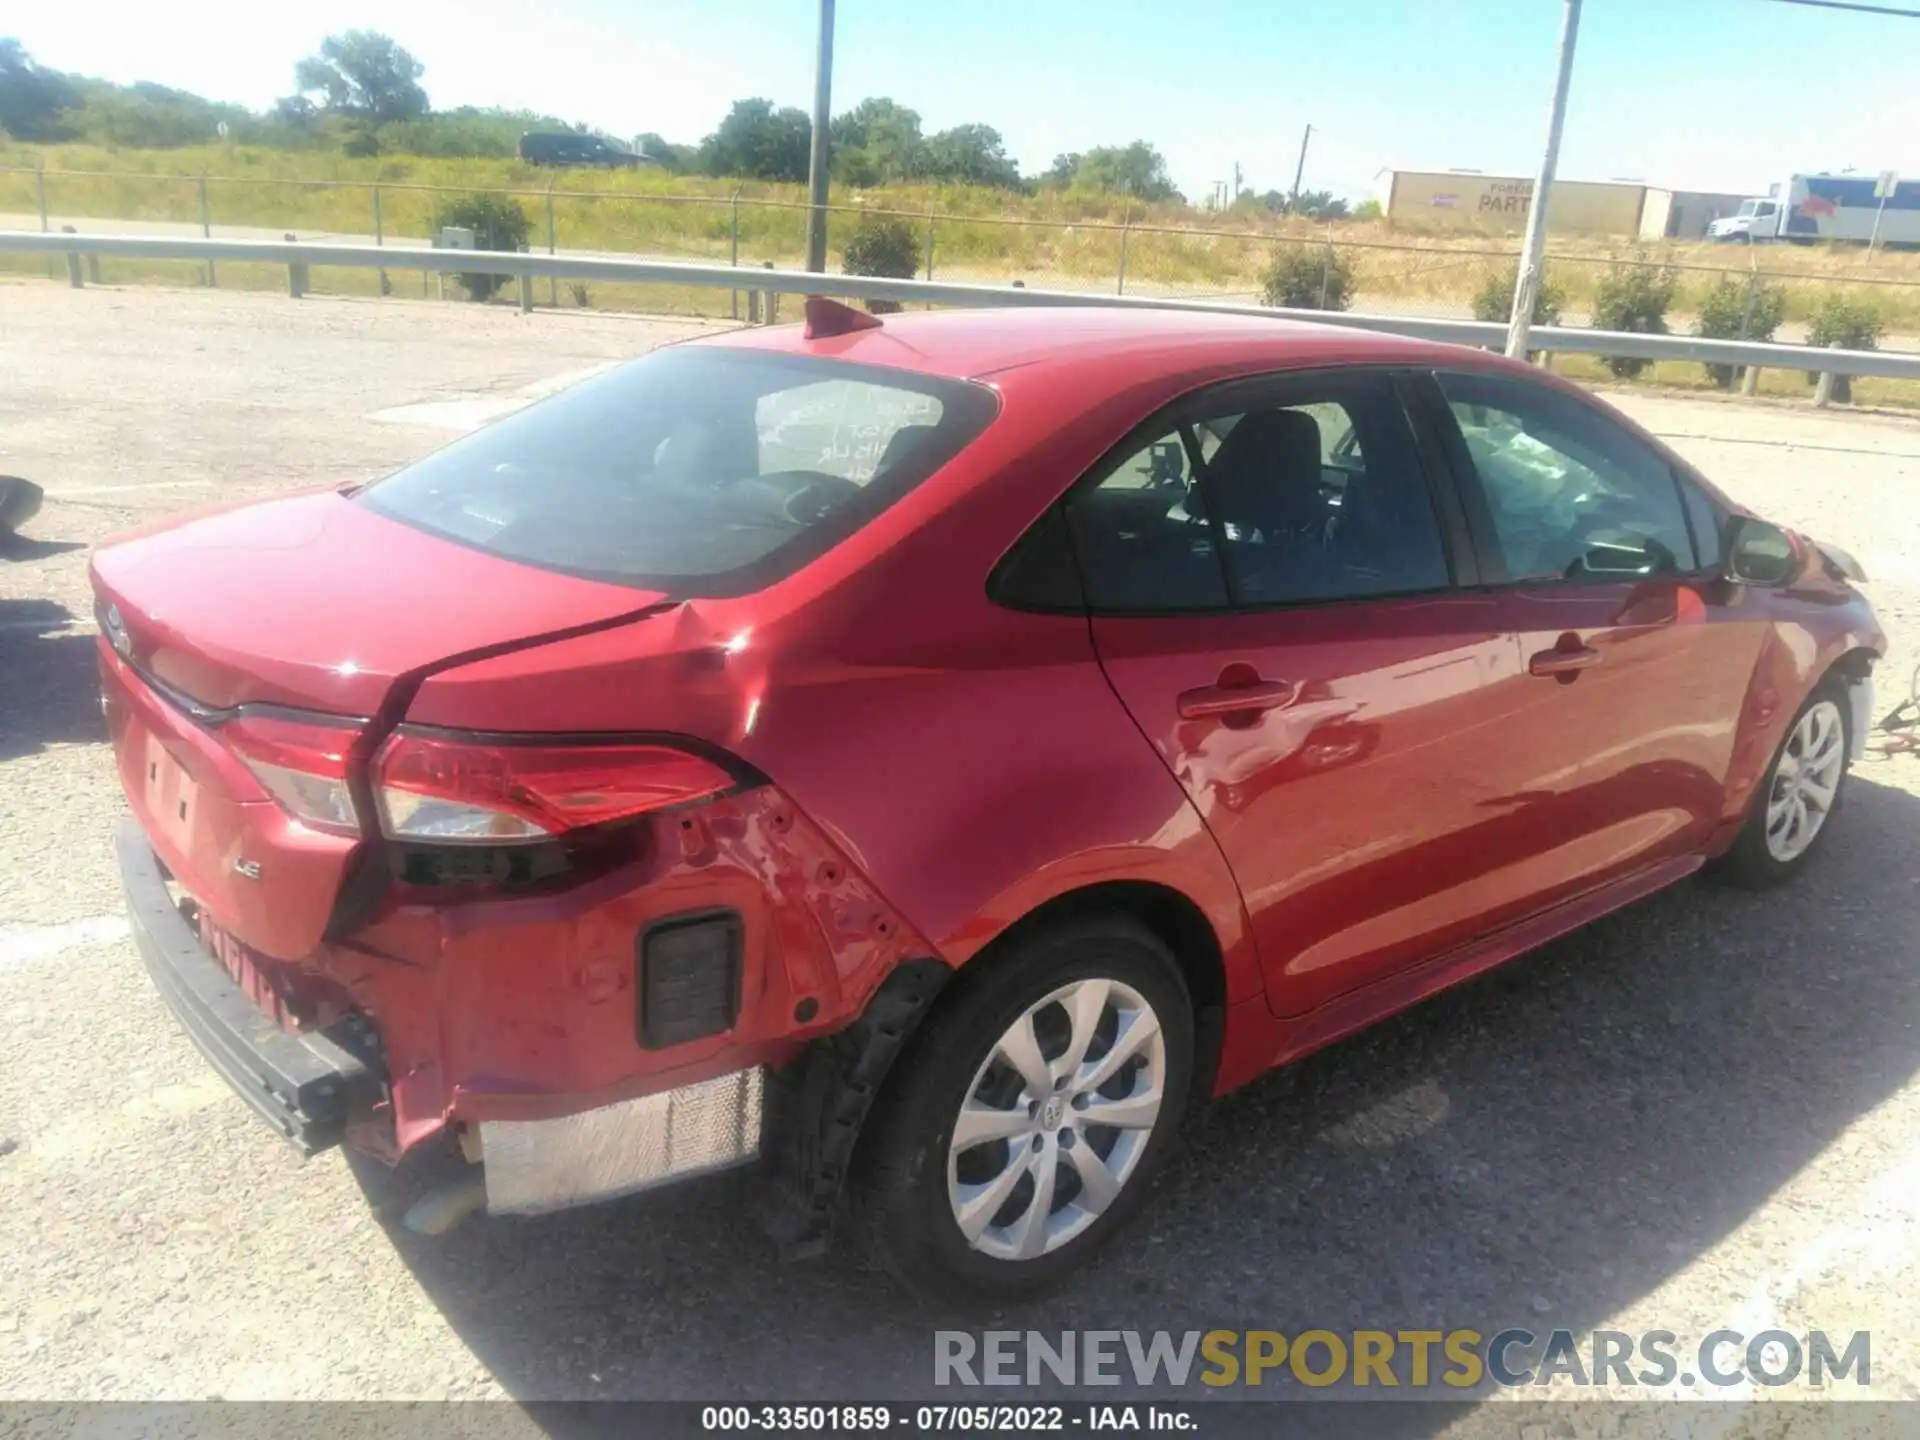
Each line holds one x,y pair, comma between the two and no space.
172,795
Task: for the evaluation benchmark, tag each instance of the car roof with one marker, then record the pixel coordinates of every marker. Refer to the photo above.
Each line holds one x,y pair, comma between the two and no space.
1120,342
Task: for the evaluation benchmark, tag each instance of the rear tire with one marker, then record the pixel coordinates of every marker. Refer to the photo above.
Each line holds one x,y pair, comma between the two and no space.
1794,807
1039,1181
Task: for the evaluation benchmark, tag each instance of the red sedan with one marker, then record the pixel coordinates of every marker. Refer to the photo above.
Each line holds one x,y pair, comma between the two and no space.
925,758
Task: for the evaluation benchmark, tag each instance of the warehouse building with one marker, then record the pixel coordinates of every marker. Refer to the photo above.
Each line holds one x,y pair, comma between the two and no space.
1682,214
1460,200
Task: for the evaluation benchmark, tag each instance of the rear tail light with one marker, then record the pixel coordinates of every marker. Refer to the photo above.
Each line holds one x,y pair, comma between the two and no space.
302,763
469,790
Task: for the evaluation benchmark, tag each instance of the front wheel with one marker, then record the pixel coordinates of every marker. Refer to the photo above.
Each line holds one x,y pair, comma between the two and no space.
1799,797
1026,1123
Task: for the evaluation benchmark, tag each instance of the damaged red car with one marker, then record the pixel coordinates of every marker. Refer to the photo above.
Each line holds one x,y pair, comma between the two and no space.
925,759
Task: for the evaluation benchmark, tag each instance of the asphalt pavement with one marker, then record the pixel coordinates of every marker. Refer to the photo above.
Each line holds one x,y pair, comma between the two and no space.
1702,1111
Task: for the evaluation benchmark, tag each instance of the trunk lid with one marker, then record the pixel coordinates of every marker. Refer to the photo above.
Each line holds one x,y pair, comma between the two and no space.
320,603
313,604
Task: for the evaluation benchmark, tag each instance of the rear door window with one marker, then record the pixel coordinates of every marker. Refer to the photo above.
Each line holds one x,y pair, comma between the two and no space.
1142,534
695,471
1317,492
1325,497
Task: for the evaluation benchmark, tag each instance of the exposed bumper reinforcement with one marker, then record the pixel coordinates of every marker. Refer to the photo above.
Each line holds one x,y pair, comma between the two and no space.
304,1086
533,1166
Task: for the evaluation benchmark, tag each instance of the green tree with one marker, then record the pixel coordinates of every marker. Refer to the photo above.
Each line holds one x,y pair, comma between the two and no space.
758,142
970,155
366,75
876,143
1322,205
155,115
295,112
1059,175
32,97
1138,169
292,123
673,158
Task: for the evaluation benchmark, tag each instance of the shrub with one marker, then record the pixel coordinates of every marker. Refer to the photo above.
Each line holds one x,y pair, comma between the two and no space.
582,296
1723,310
497,222
1852,325
883,245
1367,210
1494,299
1308,277
1633,299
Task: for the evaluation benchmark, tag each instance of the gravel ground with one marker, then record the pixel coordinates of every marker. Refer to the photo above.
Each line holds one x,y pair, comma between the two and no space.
1701,1111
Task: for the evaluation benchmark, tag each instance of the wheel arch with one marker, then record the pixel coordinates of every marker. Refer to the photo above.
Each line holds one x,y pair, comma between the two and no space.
1853,668
1170,915
1175,918
819,1107
1854,664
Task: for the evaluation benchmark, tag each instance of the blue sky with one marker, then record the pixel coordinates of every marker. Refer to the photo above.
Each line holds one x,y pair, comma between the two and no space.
1712,94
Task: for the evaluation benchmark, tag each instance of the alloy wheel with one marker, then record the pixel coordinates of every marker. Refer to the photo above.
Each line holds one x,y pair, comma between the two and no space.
1806,781
1056,1119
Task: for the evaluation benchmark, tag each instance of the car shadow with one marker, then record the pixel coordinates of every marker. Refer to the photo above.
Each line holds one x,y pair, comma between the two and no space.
1539,1148
49,679
22,547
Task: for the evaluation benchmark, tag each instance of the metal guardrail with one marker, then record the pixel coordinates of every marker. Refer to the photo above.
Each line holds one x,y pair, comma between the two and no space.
301,256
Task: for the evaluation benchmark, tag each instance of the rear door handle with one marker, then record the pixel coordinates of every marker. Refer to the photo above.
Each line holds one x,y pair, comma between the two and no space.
1236,699
1563,663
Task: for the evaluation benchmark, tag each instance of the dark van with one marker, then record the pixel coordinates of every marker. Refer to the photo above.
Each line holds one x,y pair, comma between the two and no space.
567,148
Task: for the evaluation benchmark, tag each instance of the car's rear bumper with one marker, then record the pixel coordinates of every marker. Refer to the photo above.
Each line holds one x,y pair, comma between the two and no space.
306,1086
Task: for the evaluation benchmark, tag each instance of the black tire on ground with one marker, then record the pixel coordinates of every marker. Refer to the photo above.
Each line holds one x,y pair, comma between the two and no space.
901,1202
1750,863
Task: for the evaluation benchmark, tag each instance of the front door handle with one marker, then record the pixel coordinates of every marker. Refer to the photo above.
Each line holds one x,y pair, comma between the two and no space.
1564,664
1236,699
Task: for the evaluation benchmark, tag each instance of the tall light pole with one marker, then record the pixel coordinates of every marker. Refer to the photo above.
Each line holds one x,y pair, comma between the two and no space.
1528,287
1293,201
818,158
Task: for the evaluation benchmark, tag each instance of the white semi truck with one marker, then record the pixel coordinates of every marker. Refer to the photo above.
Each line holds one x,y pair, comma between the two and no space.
1808,208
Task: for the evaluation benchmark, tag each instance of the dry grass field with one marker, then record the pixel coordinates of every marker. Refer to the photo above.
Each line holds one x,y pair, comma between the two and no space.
1053,239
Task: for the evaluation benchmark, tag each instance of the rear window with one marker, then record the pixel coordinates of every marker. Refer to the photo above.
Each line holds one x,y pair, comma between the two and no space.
696,471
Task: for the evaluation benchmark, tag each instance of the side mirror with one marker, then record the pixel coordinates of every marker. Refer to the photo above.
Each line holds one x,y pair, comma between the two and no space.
1758,553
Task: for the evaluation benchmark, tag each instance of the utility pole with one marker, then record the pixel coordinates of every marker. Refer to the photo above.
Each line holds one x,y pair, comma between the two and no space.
1238,176
818,160
1293,201
1528,286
